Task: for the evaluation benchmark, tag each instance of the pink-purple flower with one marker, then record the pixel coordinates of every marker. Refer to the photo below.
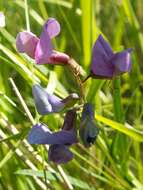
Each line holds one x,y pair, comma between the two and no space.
105,63
41,49
59,141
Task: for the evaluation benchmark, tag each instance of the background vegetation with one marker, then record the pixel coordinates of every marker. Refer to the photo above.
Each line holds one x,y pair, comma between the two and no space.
116,160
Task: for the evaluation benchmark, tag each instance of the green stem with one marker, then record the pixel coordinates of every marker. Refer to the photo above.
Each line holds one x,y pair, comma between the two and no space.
117,101
65,178
22,101
82,96
27,16
44,169
83,81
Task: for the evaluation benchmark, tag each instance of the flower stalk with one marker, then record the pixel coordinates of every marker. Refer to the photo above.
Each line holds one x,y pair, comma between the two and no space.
77,71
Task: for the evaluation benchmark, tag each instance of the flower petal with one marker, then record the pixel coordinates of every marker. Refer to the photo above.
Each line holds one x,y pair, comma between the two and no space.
59,154
56,103
101,67
41,100
105,45
122,62
44,48
70,121
44,51
40,135
52,26
26,42
2,20
88,110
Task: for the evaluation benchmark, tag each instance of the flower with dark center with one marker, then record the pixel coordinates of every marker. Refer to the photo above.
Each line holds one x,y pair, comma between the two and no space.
47,103
105,63
88,129
59,141
41,49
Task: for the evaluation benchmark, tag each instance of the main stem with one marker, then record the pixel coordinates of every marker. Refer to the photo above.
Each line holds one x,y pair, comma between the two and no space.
117,101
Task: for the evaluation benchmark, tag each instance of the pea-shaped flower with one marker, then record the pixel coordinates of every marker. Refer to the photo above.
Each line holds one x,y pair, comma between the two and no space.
47,103
59,141
88,129
105,63
41,49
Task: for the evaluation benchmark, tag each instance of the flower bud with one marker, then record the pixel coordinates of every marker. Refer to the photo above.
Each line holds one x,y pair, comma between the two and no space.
88,129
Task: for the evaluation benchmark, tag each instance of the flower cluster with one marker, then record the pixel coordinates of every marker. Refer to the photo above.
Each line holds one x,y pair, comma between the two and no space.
105,64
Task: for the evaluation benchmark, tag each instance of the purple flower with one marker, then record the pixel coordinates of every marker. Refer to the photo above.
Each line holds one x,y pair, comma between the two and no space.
47,103
88,129
41,134
41,49
105,63
59,154
60,141
2,20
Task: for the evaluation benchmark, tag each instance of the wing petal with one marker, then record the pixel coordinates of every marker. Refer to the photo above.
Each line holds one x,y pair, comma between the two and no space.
26,42
122,62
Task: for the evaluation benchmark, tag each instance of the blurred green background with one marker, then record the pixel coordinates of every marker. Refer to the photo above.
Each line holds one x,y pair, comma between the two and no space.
116,159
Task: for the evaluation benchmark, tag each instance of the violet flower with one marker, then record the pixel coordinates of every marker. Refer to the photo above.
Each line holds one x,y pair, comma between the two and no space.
59,154
2,20
41,49
47,103
88,129
105,63
59,141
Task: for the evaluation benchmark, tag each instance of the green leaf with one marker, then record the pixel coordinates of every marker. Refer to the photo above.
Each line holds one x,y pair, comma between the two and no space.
126,129
19,65
9,155
15,137
53,177
86,7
